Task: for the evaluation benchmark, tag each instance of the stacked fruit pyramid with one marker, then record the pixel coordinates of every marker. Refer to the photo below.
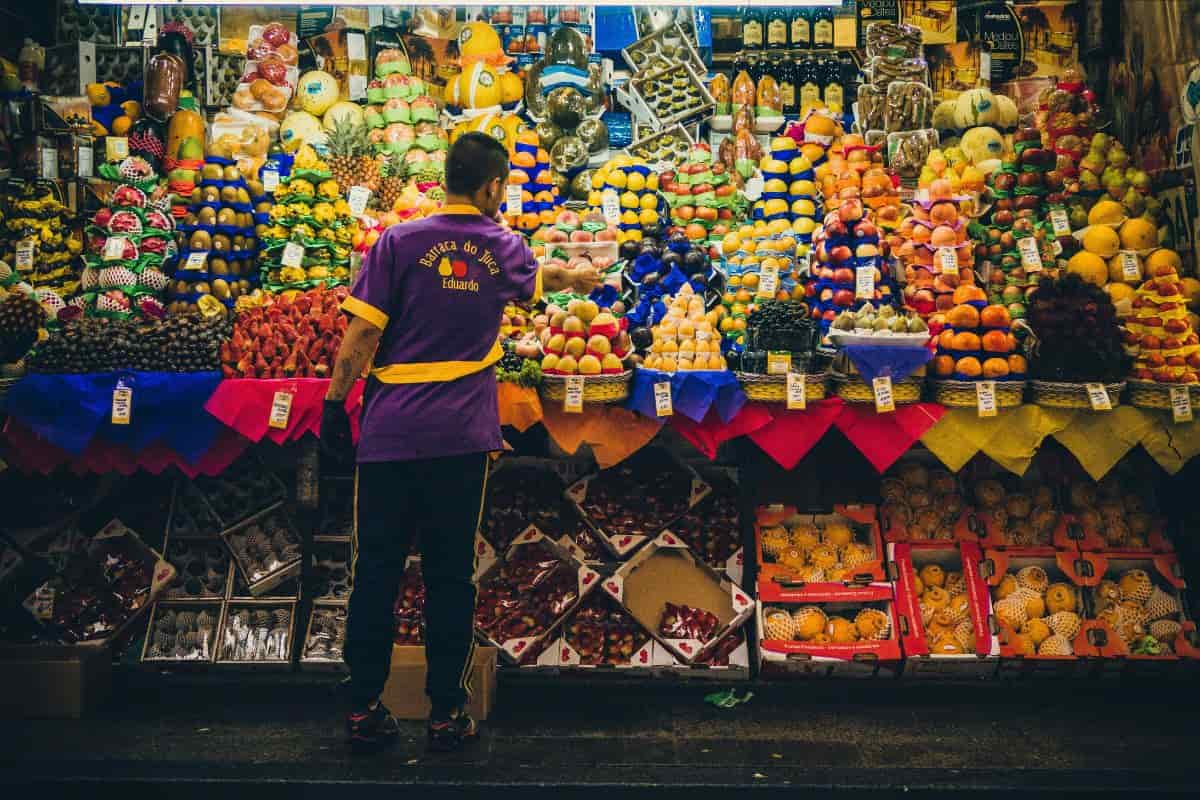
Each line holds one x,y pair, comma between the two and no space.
310,212
403,118
938,257
686,339
636,187
129,249
1158,335
217,244
976,341
703,199
352,163
847,244
530,170
789,191
35,221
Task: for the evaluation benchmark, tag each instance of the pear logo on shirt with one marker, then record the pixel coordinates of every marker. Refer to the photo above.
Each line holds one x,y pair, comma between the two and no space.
457,268
453,267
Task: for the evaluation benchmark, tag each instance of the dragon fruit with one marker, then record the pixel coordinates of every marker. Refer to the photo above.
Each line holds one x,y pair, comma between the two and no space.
112,301
128,197
157,219
154,244
136,169
79,301
89,279
152,307
153,279
117,277
102,217
50,301
125,222
146,138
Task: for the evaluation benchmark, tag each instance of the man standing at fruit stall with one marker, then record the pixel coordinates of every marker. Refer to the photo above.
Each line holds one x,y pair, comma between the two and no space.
427,306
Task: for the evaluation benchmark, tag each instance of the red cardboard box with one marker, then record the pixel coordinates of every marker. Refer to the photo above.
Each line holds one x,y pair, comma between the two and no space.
807,532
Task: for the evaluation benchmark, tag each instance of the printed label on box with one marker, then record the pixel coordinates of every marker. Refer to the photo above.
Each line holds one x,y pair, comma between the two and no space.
573,395
1098,396
985,398
797,398
281,410
884,399
662,399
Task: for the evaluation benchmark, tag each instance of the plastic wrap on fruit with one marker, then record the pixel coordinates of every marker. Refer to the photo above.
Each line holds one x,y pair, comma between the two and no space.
686,622
719,88
747,152
743,92
164,80
768,100
727,155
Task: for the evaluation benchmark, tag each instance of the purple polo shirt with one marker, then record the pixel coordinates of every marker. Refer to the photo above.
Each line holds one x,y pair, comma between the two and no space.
437,288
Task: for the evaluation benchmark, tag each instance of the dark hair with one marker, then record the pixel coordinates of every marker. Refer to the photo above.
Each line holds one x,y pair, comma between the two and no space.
474,159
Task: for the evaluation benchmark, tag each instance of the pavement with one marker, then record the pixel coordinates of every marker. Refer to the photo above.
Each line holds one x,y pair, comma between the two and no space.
266,736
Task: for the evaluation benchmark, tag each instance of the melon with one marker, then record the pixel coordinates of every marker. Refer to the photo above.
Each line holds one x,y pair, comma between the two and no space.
340,111
300,127
317,91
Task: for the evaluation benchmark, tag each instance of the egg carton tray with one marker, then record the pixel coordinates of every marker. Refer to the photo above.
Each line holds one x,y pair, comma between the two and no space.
182,633
266,549
85,23
324,638
202,569
329,576
203,22
257,633
221,72
661,49
241,492
671,144
646,90
190,517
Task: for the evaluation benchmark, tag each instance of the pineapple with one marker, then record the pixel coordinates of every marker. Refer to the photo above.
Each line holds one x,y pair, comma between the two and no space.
350,158
391,183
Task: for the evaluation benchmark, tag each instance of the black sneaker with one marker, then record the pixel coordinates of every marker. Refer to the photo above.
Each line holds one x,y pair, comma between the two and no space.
452,733
370,729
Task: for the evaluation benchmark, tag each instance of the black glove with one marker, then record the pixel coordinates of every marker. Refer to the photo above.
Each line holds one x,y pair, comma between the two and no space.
335,431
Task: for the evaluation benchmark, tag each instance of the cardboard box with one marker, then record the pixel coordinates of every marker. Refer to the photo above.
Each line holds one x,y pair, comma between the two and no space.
320,650
728,660
920,660
864,527
666,571
53,681
404,692
233,639
591,639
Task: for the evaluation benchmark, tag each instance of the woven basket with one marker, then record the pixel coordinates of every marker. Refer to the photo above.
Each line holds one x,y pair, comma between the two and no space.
596,388
1149,394
855,390
961,394
9,380
773,388
1071,395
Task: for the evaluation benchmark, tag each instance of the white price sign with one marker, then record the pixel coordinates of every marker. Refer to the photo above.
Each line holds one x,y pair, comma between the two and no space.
114,248
948,260
1060,223
662,399
1031,259
196,260
1098,396
270,180
885,400
797,397
512,200
768,280
864,283
573,395
122,405
115,148
1181,404
293,254
25,254
1131,266
357,199
611,205
85,164
985,398
281,410
50,163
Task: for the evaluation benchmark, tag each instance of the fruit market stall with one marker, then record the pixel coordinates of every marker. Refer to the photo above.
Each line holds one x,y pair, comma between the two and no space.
980,298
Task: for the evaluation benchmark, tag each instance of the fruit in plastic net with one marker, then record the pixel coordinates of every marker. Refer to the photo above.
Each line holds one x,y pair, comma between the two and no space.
1011,611
805,535
1060,597
1035,605
873,624
1165,629
964,632
932,575
1033,578
1056,646
1065,624
955,583
946,645
793,558
1038,630
774,540
841,630
857,553
809,621
1023,645
1161,604
959,608
837,534
1135,584
778,624
1007,585
824,556
811,574
1107,593
935,597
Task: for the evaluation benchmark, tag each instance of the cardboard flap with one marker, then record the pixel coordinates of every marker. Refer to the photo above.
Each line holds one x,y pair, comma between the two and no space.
577,492
615,586
735,566
114,529
741,601
573,550
669,539
687,649
700,490
485,556
624,544
164,575
587,580
568,656
517,647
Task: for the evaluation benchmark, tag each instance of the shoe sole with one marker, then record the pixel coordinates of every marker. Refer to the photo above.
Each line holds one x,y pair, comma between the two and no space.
434,747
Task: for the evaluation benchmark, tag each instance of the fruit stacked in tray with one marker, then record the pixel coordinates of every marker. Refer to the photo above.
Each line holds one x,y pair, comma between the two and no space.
520,496
919,504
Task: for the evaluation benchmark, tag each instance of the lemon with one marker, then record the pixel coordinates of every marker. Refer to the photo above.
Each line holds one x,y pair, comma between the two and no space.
651,182
616,179
648,216
636,182
629,200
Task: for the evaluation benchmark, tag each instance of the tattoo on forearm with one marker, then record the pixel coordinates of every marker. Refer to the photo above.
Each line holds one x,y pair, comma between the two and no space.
348,367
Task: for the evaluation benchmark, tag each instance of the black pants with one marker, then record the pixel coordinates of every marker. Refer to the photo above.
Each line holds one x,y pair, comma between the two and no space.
441,501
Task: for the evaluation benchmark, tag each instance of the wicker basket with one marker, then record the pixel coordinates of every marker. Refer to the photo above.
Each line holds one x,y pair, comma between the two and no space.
596,388
962,394
773,388
855,390
7,382
1149,394
1053,394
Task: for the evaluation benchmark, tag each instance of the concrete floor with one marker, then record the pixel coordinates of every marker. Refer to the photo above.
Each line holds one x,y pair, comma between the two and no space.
266,736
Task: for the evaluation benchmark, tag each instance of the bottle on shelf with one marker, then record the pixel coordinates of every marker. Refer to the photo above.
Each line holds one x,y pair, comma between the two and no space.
741,63
808,81
752,28
777,28
822,28
832,93
801,29
785,75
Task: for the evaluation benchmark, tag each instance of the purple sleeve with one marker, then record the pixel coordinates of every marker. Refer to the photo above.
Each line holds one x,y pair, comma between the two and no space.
521,276
374,290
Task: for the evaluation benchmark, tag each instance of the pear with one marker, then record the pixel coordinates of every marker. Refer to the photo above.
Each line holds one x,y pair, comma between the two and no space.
843,322
917,325
887,312
898,325
880,324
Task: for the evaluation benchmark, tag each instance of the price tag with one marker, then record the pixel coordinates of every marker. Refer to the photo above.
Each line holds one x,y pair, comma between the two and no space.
1056,246
985,398
281,409
1060,223
948,260
114,248
50,163
864,283
611,206
573,397
293,254
357,199
1131,268
122,404
1031,259
115,148
85,162
662,399
768,280
779,363
1181,404
1098,396
270,180
885,401
196,260
25,254
512,200
797,398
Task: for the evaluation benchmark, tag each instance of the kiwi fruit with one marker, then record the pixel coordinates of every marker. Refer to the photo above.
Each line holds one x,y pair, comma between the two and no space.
211,172
227,216
242,196
220,289
210,194
218,266
232,173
